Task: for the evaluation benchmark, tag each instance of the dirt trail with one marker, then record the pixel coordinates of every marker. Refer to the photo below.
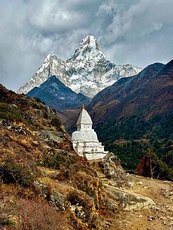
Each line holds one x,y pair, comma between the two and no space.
158,218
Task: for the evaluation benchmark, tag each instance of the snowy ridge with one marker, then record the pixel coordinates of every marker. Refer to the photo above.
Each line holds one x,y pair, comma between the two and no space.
87,71
51,66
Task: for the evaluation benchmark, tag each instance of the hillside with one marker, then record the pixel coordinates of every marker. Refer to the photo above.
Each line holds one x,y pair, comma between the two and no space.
119,97
142,118
45,185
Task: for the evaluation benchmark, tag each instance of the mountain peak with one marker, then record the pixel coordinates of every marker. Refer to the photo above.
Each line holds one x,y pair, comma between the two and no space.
90,41
87,50
87,71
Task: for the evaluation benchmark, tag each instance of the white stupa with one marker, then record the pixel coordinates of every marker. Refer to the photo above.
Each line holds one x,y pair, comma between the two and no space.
85,141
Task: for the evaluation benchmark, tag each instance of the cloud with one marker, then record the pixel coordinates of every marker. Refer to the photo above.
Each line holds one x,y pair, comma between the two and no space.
52,17
138,32
137,28
130,22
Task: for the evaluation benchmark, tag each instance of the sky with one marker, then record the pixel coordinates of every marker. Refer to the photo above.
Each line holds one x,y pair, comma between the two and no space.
137,32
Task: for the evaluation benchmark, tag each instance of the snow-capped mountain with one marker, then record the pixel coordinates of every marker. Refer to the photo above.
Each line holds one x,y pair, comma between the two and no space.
87,71
50,67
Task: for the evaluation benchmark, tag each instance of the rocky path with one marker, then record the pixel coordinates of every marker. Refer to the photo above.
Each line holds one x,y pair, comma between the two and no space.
156,217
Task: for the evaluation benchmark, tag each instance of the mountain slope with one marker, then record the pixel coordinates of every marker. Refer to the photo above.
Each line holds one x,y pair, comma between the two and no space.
139,124
52,66
153,97
55,94
46,185
118,95
147,95
87,71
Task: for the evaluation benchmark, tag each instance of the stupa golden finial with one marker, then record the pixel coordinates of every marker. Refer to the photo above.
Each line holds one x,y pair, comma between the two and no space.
83,107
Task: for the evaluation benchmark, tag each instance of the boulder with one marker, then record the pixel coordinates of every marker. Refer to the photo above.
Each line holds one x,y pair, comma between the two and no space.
129,201
58,201
112,169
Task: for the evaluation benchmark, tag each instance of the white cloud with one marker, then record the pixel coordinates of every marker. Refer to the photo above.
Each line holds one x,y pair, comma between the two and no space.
51,16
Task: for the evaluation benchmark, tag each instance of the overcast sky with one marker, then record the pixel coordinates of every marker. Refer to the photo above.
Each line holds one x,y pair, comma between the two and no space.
138,32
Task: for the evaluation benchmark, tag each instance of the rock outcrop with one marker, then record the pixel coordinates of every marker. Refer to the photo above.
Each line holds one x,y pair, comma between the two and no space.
128,200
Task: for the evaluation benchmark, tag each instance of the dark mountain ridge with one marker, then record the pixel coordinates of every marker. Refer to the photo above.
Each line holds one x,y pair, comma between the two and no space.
55,94
148,94
119,96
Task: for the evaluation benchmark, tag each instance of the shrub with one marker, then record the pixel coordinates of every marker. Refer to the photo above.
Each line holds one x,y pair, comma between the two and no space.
88,190
45,115
79,198
56,122
37,99
10,112
36,106
58,159
38,215
10,172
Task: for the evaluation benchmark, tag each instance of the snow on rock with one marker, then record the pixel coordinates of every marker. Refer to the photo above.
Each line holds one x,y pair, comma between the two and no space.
87,71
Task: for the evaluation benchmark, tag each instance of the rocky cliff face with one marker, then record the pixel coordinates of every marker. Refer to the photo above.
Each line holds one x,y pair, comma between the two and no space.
87,71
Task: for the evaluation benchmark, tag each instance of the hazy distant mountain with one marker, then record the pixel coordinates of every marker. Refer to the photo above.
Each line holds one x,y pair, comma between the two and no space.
87,71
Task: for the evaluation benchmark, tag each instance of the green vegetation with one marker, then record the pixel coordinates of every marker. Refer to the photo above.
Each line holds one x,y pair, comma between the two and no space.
58,159
11,172
136,127
162,126
10,112
156,133
88,190
38,100
151,166
36,106
129,153
129,128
